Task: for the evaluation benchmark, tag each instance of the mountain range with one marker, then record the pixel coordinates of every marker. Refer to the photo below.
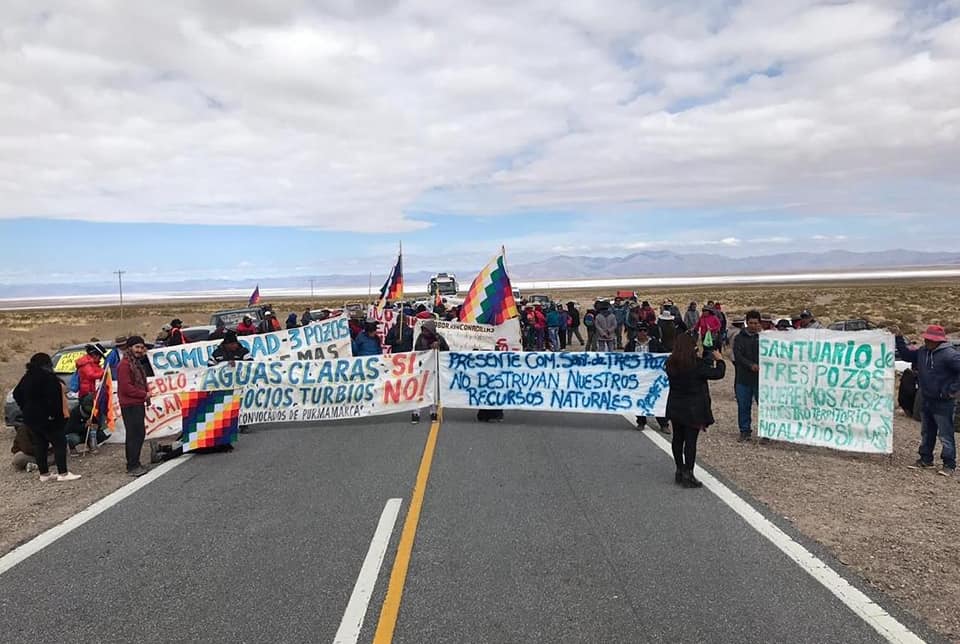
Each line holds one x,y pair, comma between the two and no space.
641,264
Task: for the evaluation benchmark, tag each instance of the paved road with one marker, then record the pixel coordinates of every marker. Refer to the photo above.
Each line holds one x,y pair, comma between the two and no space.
546,528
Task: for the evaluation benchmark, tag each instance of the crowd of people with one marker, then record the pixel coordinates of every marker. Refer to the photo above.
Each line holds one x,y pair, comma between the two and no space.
695,339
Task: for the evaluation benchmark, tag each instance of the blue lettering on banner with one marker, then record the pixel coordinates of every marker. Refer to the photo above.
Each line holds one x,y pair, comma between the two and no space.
584,382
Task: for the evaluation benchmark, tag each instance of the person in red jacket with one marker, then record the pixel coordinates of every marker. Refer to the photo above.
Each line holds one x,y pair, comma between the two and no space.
246,326
134,398
709,322
90,371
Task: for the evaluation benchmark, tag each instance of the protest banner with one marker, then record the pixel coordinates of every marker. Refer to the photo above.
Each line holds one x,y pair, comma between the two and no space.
316,341
279,391
462,336
385,319
162,416
828,388
598,383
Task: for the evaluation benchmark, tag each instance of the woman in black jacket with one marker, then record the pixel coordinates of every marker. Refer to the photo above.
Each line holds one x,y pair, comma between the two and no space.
40,395
688,404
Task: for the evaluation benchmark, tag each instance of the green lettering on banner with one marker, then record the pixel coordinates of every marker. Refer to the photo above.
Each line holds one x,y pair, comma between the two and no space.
828,388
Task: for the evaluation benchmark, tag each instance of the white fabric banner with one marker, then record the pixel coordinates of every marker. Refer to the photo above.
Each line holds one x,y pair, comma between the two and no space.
828,388
462,336
597,383
322,340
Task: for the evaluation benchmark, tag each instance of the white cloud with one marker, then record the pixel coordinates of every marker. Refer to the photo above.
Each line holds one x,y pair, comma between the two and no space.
350,116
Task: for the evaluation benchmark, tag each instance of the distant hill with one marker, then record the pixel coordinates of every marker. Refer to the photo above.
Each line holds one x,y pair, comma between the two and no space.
640,264
656,263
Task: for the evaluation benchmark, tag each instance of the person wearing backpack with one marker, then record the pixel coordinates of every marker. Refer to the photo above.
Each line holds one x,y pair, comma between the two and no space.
588,322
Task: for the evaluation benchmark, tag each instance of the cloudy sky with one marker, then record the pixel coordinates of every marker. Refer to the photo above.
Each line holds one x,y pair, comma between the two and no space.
174,137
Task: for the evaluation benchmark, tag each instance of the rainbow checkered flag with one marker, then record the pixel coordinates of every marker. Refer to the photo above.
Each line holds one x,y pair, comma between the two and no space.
490,298
210,418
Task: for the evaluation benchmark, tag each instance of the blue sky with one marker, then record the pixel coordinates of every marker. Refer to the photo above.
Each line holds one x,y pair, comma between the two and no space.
307,139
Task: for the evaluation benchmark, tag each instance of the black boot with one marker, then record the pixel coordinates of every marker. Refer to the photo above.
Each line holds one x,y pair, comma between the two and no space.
689,480
678,477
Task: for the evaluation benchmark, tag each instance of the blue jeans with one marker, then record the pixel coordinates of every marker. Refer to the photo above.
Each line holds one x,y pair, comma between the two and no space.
746,394
554,332
936,419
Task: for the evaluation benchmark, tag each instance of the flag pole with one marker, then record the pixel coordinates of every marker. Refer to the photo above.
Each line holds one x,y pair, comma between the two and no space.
400,318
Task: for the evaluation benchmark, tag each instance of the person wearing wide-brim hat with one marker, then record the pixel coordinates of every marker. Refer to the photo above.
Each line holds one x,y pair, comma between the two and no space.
937,364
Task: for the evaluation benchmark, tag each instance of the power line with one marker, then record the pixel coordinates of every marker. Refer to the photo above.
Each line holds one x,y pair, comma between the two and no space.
119,275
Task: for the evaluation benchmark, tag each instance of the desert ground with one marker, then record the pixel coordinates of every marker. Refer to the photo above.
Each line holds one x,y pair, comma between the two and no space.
892,526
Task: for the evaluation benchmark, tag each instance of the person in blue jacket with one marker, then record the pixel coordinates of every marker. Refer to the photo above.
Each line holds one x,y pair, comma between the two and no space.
367,343
937,365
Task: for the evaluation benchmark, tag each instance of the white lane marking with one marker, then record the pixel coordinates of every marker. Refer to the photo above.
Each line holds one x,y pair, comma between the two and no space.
352,621
44,539
864,607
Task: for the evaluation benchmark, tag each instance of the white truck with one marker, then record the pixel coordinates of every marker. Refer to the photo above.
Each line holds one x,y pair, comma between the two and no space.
445,283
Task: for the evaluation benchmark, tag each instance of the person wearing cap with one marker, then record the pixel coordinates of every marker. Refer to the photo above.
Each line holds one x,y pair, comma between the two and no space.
429,339
783,324
229,350
164,335
269,324
219,331
367,343
937,364
644,343
89,370
176,333
665,329
134,398
807,321
709,323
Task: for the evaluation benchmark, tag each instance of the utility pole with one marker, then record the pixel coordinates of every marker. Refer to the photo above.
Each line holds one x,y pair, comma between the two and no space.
119,275
311,288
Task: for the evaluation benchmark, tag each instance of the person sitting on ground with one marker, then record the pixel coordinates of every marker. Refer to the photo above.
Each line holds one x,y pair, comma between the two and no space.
367,343
22,450
43,400
176,334
246,326
81,427
937,365
746,363
644,343
689,404
427,340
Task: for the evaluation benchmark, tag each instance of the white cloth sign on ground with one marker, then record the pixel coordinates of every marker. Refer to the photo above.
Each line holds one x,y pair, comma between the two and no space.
828,388
598,383
478,337
316,341
311,390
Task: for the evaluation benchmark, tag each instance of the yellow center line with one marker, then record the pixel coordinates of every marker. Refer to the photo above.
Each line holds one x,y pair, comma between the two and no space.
398,576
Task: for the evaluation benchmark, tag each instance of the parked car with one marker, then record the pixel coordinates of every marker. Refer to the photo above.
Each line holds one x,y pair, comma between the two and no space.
199,333
232,317
64,364
852,325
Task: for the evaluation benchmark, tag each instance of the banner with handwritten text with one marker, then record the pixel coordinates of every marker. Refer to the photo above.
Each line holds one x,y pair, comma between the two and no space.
828,388
316,341
461,336
598,383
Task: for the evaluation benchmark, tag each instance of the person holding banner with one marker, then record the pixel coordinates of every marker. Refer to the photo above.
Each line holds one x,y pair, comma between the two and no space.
367,343
643,343
688,403
937,365
427,340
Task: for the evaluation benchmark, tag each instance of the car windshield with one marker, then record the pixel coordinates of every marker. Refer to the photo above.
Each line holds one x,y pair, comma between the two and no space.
65,361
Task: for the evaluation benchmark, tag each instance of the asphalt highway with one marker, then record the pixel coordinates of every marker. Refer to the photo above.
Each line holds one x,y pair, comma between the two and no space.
544,528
